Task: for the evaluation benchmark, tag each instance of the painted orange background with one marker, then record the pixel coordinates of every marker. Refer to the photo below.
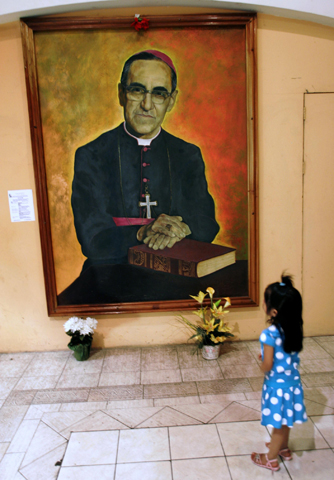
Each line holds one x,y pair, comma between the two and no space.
78,74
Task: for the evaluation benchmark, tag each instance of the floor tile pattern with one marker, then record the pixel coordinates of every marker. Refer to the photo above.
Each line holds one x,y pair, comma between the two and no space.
159,413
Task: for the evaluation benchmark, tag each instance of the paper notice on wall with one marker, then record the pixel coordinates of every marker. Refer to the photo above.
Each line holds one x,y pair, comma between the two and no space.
21,206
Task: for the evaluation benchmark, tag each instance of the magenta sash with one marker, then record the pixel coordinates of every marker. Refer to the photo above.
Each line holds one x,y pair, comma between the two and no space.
126,222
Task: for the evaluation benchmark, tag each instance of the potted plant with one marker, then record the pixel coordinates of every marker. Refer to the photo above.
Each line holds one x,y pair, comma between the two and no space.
211,330
81,332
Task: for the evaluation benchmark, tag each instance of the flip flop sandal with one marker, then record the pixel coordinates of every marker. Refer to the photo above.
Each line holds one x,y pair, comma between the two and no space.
285,453
256,459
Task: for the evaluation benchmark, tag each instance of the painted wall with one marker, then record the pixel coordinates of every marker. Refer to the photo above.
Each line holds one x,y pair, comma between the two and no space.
293,56
321,11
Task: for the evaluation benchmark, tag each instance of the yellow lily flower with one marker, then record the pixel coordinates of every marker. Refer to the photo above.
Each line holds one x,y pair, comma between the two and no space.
210,291
217,339
217,312
223,328
228,301
209,326
200,313
199,298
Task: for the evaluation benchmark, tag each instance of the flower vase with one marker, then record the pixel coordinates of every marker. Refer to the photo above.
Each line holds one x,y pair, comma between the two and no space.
210,352
81,350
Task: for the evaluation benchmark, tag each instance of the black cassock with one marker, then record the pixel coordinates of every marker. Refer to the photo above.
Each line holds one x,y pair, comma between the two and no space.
111,175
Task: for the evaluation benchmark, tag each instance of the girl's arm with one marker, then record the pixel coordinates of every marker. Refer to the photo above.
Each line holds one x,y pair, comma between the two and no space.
268,358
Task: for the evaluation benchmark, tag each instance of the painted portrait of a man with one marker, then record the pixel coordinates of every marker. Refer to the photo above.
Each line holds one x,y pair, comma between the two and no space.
116,172
146,145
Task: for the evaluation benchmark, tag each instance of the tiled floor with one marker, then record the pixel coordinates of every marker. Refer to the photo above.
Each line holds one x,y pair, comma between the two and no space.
155,413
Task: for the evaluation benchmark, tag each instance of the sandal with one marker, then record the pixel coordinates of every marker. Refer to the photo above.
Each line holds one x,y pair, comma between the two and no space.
285,453
256,459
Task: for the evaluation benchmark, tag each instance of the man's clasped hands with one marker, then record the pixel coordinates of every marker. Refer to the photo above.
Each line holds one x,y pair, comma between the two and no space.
163,232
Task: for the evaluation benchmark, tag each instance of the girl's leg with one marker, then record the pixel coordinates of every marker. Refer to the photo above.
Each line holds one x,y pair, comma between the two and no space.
286,434
279,441
285,452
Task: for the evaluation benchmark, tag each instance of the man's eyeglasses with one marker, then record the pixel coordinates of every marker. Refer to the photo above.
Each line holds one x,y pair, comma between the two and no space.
138,94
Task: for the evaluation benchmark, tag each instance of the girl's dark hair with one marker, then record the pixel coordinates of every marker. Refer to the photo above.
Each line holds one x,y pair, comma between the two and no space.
144,56
285,298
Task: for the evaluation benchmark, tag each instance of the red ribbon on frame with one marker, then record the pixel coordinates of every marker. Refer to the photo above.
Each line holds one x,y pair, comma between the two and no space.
140,23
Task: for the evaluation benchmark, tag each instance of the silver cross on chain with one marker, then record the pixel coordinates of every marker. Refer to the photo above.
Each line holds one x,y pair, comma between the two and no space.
148,204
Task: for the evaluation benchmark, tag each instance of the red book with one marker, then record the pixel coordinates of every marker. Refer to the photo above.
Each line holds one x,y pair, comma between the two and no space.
189,258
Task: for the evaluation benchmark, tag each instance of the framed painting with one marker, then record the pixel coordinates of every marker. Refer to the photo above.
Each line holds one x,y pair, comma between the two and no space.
145,158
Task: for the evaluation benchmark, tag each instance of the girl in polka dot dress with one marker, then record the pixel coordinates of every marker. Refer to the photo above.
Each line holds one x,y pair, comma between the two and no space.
282,394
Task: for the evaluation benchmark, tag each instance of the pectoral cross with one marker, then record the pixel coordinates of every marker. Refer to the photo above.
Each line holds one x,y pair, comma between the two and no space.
147,204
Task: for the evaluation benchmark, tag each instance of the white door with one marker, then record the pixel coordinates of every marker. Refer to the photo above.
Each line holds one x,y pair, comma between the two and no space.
318,215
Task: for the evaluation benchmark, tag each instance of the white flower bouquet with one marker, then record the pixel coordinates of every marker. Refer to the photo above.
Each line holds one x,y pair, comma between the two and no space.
81,332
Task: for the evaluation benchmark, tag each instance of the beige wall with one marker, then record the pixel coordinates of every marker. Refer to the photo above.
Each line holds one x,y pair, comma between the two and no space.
293,56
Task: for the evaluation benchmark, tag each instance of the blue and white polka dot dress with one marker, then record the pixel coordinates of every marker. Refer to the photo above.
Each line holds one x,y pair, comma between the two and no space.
282,393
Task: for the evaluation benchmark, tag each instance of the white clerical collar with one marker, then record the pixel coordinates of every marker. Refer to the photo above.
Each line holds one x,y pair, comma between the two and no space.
142,141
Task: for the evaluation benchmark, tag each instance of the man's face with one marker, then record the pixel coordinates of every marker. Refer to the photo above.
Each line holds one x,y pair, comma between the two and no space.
143,118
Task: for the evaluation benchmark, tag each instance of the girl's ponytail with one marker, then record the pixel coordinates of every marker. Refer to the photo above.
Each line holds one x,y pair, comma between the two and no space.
286,280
